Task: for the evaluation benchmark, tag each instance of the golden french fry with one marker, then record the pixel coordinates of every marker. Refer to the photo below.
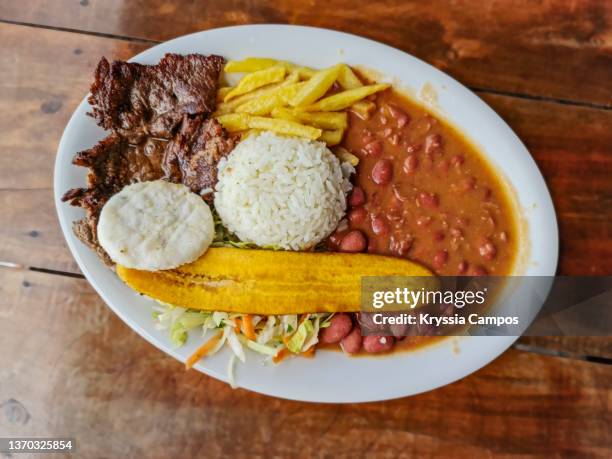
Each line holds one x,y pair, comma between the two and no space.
345,156
250,64
332,137
256,80
305,73
347,78
283,127
363,109
344,99
228,107
249,133
284,113
323,120
234,122
316,87
222,92
265,104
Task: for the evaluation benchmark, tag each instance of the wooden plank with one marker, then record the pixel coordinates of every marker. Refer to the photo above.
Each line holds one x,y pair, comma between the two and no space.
120,397
554,49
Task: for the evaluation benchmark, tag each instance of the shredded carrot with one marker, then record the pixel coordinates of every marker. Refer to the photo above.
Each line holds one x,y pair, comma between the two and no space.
281,355
237,326
203,350
309,353
247,325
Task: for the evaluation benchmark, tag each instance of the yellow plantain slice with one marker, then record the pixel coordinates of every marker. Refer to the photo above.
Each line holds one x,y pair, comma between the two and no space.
267,282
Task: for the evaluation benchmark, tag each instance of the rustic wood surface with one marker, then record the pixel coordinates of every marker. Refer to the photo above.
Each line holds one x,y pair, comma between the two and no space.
69,366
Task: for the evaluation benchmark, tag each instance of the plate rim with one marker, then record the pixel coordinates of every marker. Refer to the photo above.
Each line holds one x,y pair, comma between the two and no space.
488,353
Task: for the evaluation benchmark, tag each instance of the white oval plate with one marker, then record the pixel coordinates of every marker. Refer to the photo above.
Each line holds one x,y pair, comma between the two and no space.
331,376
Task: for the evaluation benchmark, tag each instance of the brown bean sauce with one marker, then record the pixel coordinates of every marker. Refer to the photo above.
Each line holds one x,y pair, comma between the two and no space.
424,193
429,195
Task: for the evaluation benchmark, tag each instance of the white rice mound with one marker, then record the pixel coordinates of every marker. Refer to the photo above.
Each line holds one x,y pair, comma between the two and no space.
282,191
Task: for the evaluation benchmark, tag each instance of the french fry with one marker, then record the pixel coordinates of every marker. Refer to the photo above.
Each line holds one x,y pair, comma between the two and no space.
305,73
265,104
323,120
316,87
222,92
332,138
228,107
346,156
344,99
250,64
347,78
256,80
363,109
283,127
249,133
234,122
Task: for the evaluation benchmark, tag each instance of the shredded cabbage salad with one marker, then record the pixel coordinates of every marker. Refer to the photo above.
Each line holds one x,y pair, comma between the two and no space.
275,337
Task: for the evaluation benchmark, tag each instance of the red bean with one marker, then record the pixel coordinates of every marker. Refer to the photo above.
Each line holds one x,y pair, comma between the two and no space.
351,343
400,116
477,270
457,160
410,149
336,237
386,133
353,241
429,200
382,173
440,259
487,250
433,143
357,216
439,236
357,197
380,226
400,244
339,326
410,164
467,184
373,148
376,344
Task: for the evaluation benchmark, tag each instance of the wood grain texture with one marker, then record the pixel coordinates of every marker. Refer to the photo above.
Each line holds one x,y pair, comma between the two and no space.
556,49
83,373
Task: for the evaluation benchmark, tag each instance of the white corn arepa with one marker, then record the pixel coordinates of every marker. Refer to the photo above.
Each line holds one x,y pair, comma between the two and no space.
155,225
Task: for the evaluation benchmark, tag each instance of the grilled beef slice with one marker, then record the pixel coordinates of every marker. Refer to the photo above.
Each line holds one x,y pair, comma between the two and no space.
113,163
136,100
190,158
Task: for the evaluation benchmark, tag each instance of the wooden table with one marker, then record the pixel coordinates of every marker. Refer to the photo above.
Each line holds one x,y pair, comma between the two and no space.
69,367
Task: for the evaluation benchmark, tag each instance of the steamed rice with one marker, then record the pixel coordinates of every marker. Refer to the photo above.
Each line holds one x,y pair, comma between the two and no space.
283,192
